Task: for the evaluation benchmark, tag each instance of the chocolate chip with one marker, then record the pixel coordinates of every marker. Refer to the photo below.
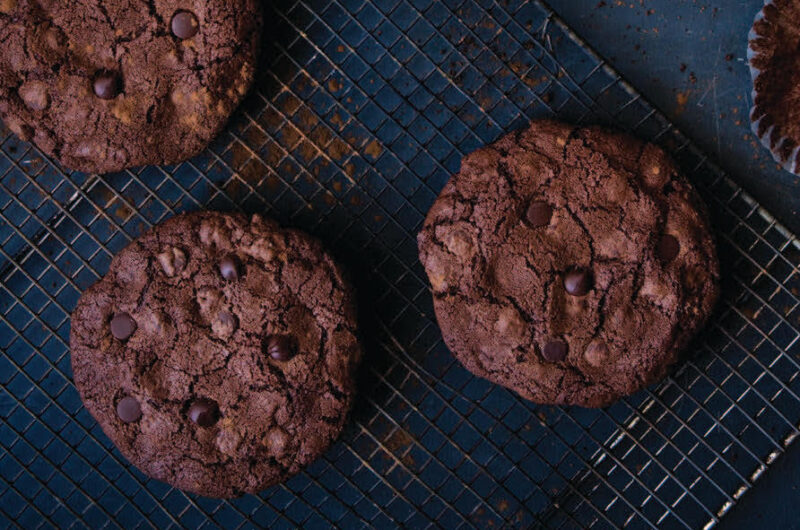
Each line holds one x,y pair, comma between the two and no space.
578,282
229,268
668,248
184,25
204,412
106,84
122,326
554,350
539,214
279,347
128,409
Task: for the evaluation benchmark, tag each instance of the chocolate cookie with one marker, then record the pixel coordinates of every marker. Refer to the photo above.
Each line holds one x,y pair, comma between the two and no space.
218,353
105,85
570,264
773,56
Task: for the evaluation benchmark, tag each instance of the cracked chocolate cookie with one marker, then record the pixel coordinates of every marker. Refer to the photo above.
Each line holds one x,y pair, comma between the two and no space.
218,352
570,264
105,85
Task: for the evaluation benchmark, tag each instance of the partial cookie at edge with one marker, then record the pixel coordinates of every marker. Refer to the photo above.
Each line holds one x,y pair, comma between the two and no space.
103,86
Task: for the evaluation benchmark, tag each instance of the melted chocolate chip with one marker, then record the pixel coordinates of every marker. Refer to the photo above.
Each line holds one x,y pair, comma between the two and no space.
554,350
539,214
578,282
184,25
229,268
596,353
106,84
279,347
128,409
668,248
122,326
204,412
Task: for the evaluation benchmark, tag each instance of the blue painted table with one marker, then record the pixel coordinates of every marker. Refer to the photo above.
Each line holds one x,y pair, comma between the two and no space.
689,59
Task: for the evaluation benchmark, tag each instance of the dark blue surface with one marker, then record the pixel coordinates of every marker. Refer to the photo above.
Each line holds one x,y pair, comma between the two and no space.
689,59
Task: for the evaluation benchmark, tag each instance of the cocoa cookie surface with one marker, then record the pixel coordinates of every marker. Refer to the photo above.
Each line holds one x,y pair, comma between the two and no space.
218,352
105,85
570,264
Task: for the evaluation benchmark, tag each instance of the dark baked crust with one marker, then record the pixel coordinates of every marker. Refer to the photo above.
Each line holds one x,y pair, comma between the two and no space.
498,282
176,94
276,416
775,64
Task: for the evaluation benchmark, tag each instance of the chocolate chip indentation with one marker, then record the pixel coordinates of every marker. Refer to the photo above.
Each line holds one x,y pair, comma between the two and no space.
184,25
204,412
279,347
34,94
225,324
539,214
128,409
554,350
276,441
106,84
122,326
229,268
578,282
172,260
668,248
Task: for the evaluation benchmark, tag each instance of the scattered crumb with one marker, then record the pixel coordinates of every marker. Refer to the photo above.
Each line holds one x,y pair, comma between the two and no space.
681,98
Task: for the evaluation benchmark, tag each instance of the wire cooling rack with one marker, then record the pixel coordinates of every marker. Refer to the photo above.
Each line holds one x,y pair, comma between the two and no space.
361,113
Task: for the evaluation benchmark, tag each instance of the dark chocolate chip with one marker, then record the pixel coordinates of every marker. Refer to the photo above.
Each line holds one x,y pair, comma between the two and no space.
668,248
122,326
578,282
128,409
204,412
106,84
554,350
184,25
539,214
279,347
229,268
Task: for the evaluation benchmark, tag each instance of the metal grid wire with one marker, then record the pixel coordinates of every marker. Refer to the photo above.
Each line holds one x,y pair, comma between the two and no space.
361,112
